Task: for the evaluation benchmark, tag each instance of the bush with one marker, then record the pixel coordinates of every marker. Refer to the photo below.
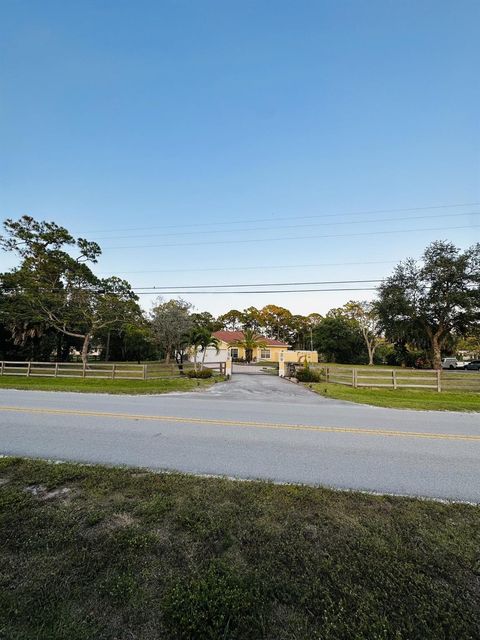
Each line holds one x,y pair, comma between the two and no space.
305,374
201,373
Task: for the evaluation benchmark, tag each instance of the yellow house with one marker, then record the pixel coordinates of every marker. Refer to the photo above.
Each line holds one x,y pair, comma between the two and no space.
270,351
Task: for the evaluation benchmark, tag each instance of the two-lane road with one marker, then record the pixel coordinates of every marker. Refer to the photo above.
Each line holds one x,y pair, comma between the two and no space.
253,427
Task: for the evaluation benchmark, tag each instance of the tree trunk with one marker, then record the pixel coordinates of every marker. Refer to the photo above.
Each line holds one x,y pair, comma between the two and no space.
436,352
203,358
195,359
86,344
167,356
107,348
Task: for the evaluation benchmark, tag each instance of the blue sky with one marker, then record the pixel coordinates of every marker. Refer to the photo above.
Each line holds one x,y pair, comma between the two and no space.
233,138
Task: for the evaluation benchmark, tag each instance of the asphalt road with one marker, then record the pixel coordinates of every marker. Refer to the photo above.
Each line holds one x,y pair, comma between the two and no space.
253,427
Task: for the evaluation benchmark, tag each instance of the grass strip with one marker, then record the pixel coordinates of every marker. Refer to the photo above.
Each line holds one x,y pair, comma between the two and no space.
401,398
94,552
96,385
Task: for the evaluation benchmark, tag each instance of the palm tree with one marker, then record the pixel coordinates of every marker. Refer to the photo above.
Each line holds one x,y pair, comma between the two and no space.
202,338
249,342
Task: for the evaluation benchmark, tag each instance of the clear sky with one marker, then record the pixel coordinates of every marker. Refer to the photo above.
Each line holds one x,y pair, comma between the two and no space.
229,142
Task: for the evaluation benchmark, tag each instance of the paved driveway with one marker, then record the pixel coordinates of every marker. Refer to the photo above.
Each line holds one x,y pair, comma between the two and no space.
253,427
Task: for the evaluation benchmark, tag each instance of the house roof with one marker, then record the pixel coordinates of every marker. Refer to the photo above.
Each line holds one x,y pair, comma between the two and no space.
234,336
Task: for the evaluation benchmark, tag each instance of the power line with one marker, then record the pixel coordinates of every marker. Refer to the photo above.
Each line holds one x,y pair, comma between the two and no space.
309,237
274,218
147,293
251,284
293,226
262,267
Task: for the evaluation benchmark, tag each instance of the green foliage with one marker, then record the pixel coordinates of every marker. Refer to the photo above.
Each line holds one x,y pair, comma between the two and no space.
171,325
52,289
201,373
250,341
307,374
418,399
217,602
338,339
428,302
91,385
133,554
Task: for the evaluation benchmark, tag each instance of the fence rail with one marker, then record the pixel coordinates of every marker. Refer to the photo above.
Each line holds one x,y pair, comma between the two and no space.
101,370
444,380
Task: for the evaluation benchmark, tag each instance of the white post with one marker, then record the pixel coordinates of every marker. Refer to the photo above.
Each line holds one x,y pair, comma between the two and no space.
281,365
228,367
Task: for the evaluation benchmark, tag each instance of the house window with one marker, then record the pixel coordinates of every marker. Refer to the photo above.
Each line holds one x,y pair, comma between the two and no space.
264,354
234,353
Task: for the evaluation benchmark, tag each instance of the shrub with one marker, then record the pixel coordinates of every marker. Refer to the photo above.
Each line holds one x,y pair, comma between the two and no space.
306,374
201,373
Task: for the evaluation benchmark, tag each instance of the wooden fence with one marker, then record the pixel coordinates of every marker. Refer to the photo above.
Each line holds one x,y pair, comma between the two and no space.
101,370
444,380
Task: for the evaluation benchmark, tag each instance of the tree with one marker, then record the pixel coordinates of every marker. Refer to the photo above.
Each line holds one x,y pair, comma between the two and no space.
206,320
171,324
232,320
339,339
433,299
249,342
202,338
52,288
277,321
251,319
366,316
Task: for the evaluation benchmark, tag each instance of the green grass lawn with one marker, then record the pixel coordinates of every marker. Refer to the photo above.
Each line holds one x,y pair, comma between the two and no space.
113,554
402,398
94,385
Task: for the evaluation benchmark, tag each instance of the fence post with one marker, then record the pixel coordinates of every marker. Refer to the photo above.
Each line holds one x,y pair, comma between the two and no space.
56,369
113,371
327,374
394,378
3,367
354,378
439,381
29,368
281,365
145,371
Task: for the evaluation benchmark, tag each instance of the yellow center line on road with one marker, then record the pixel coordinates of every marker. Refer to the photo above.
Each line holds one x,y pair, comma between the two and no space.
240,423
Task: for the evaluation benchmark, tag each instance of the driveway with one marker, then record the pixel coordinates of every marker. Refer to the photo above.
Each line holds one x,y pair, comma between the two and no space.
255,426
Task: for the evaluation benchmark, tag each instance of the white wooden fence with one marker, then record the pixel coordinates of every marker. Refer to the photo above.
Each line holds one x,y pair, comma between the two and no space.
100,370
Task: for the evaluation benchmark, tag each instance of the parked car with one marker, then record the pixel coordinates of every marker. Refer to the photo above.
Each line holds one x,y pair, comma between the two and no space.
450,363
474,365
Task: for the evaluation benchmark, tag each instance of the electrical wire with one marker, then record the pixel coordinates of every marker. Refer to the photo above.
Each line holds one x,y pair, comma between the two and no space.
274,218
292,226
251,284
259,291
291,238
258,267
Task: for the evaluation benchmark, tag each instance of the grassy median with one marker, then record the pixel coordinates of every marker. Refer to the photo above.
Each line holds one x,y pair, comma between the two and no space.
95,385
401,398
92,552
